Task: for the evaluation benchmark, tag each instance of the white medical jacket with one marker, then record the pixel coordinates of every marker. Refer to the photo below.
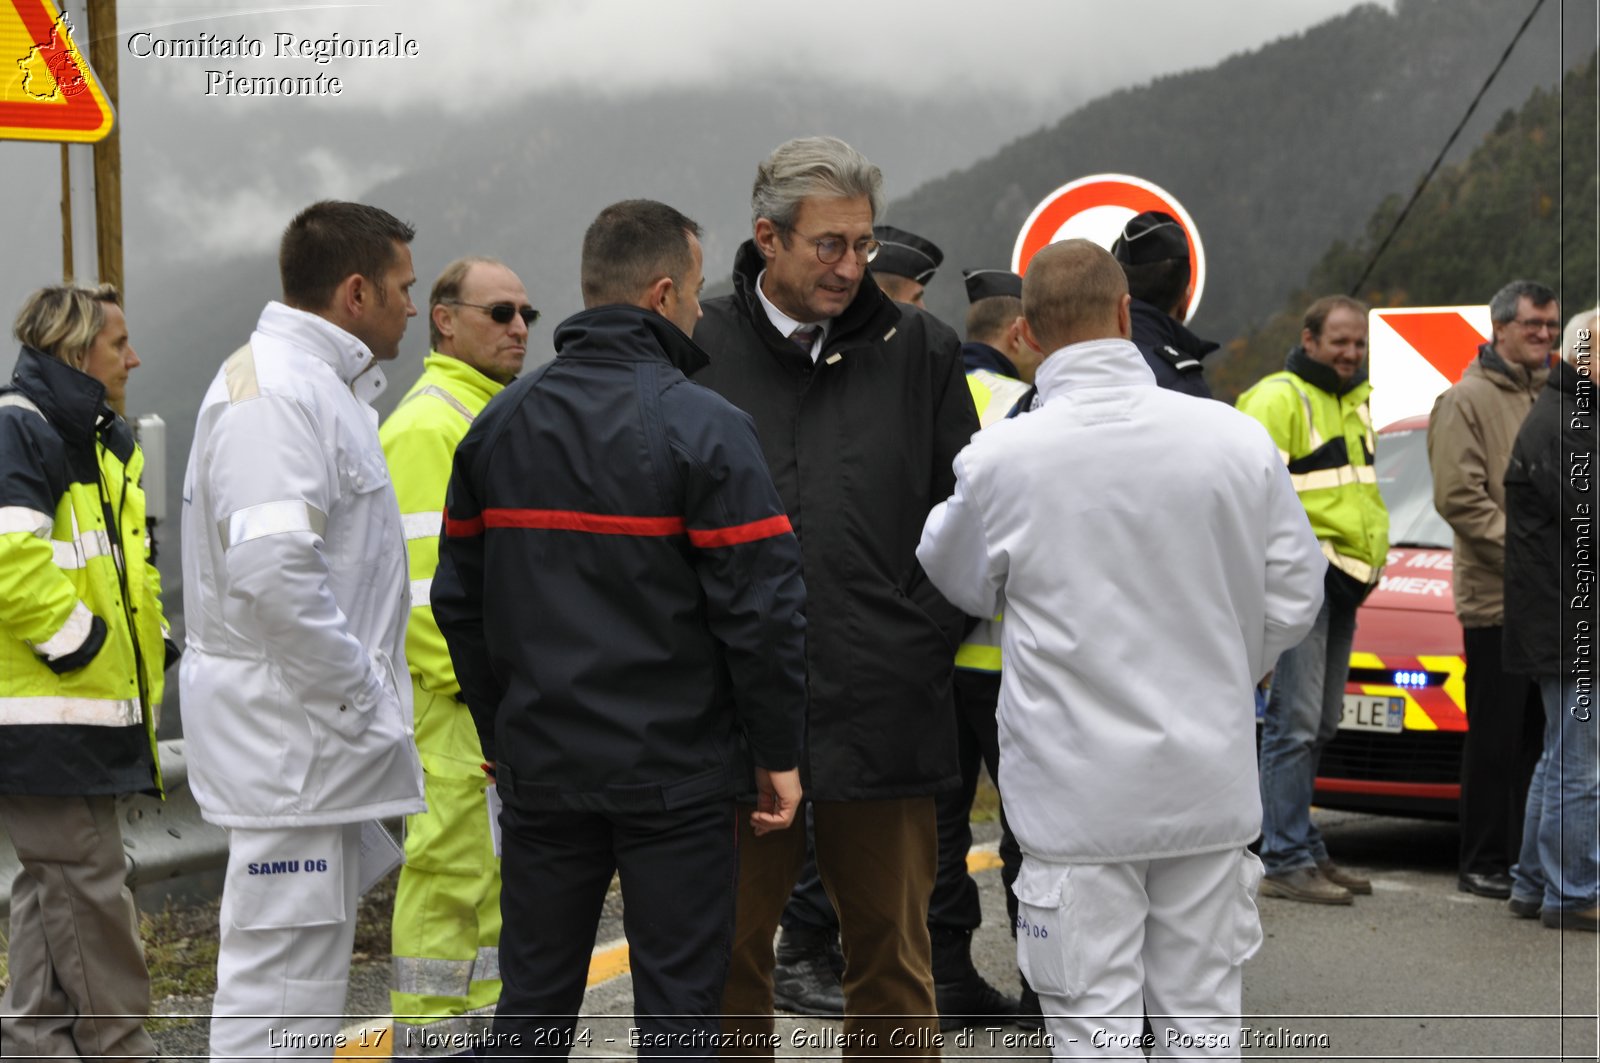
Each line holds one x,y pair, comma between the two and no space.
1152,561
296,708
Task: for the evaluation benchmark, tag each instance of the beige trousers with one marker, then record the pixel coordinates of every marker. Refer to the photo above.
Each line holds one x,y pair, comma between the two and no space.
79,987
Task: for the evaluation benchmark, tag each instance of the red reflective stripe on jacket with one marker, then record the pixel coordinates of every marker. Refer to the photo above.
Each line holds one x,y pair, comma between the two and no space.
740,533
608,524
570,520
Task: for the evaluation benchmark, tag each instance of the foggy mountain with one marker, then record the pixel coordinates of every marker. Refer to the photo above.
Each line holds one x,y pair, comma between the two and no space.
520,184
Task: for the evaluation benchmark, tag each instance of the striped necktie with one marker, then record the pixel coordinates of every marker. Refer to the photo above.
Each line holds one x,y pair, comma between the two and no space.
805,336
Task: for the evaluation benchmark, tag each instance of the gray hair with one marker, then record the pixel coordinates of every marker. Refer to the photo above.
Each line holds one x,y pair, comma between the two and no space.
1503,307
62,320
812,166
1574,343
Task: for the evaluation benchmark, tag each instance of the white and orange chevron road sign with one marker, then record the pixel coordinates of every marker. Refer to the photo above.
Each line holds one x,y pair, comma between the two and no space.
1417,352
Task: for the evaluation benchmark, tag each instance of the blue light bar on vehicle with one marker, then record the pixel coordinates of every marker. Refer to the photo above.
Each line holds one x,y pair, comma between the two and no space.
1412,680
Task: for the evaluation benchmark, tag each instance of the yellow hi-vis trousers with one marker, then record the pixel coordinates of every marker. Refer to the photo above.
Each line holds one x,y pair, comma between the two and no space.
446,933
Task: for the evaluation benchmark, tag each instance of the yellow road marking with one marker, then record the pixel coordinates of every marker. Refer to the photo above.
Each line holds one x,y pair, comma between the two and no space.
365,1042
373,1041
608,964
982,860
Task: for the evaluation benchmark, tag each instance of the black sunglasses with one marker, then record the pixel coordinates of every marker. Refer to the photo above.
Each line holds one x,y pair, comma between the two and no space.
502,313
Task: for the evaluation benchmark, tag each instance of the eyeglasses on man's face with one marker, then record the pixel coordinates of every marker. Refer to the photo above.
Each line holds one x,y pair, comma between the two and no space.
1539,324
831,249
502,313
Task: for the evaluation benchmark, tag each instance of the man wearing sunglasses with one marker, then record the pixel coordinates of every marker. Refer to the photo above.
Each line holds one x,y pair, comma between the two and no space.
860,404
1470,435
447,906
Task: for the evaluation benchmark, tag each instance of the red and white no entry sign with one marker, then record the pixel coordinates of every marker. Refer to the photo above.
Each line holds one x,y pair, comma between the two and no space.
1417,352
1096,208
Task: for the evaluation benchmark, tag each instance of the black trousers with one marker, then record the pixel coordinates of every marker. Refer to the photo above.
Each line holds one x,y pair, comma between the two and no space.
954,905
1505,735
679,874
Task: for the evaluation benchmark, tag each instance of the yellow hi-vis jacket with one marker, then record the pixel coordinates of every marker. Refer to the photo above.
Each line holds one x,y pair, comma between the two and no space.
419,442
446,971
994,394
1327,442
82,654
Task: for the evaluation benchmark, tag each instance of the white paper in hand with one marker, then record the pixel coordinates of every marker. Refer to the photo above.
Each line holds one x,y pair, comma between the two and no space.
493,797
380,853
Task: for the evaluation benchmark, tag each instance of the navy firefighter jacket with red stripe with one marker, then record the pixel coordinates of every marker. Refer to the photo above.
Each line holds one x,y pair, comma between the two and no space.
618,583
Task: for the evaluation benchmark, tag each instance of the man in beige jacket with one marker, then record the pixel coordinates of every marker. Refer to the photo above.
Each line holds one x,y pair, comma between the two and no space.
1469,445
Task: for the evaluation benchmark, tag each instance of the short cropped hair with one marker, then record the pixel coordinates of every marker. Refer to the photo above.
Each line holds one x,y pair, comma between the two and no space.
988,318
1161,284
1317,313
812,166
62,320
630,246
1503,307
1070,293
331,240
447,289
1573,343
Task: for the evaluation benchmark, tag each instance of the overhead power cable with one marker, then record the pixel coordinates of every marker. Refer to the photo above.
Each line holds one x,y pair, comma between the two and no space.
1422,184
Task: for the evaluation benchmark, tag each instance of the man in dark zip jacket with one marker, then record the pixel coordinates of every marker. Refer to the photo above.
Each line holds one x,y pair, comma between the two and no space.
861,405
620,590
1551,505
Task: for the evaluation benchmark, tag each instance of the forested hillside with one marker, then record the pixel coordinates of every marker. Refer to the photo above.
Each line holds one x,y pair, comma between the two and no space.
1522,205
1276,153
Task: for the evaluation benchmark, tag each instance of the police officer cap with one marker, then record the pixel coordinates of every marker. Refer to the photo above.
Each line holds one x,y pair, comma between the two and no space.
988,283
1153,236
905,254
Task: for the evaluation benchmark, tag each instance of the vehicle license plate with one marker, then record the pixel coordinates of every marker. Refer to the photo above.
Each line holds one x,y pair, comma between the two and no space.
1365,712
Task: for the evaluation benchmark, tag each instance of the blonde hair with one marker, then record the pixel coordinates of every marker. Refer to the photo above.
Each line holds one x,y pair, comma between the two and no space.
62,320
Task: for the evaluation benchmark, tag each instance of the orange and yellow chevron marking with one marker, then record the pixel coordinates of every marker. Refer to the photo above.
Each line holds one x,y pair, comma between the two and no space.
1441,708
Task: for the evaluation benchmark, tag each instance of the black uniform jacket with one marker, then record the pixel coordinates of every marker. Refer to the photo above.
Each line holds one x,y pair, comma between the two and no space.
618,583
1172,351
976,356
1551,500
860,444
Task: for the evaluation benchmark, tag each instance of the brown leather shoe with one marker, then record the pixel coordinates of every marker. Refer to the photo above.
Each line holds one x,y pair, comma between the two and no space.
1571,918
1348,879
1305,884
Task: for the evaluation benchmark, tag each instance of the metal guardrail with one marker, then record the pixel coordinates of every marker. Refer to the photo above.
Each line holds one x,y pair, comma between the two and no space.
163,840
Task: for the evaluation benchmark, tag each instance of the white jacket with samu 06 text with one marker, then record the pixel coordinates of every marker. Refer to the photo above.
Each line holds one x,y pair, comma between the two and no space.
1153,562
296,706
